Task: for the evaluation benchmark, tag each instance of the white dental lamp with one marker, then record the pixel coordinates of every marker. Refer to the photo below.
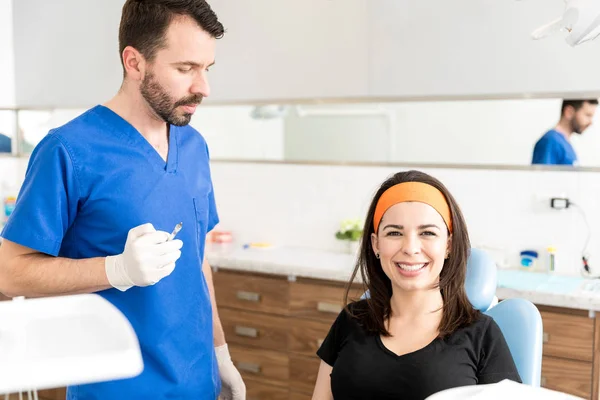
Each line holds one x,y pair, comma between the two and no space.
62,341
581,19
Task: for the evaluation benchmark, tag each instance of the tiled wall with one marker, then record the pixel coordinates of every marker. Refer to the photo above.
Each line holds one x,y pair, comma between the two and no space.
506,211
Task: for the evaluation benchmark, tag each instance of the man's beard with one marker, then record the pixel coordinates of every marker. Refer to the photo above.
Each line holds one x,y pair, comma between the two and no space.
576,128
163,105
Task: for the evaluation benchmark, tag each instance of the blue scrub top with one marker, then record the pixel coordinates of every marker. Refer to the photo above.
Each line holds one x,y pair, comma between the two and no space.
554,148
5,144
87,184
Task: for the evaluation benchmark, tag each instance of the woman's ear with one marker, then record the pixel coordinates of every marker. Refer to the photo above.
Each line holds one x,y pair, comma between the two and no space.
448,246
375,243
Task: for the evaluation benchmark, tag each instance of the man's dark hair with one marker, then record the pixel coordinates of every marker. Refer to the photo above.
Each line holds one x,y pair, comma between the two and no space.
144,23
576,104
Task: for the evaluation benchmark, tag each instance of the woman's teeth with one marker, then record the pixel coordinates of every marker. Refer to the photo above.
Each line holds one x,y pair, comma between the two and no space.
410,267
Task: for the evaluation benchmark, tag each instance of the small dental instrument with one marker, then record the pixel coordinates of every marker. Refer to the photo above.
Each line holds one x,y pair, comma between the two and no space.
175,231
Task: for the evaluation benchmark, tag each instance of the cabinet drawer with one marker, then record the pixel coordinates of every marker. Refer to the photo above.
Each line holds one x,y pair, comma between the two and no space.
48,394
568,336
300,396
569,376
252,329
303,373
256,390
306,336
319,301
253,293
266,366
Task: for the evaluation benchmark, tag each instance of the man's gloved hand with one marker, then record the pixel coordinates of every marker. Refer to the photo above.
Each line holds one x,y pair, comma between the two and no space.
148,257
232,385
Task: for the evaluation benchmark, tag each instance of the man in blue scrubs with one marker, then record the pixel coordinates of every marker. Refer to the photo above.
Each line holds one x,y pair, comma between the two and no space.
5,144
555,146
103,192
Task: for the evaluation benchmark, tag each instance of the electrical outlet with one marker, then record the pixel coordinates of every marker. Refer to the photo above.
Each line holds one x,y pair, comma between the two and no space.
559,203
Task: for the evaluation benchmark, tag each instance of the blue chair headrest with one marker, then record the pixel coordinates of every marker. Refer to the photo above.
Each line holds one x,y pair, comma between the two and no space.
481,279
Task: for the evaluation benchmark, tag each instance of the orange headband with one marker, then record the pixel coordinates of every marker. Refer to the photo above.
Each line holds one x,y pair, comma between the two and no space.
412,191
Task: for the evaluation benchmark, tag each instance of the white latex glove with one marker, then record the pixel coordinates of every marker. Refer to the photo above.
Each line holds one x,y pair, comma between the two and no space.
232,385
148,257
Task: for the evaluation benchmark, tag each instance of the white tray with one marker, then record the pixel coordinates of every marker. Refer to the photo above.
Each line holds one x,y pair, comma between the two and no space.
62,341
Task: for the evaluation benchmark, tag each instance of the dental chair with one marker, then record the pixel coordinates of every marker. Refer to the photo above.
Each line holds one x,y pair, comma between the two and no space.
519,320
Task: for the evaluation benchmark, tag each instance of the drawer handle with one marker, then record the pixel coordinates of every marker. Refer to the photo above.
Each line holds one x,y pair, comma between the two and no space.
248,296
329,307
246,331
248,367
545,337
543,381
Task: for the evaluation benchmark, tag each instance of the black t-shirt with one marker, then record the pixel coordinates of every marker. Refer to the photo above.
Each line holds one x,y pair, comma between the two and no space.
363,368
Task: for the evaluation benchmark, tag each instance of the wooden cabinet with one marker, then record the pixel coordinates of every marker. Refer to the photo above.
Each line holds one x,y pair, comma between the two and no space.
271,367
570,352
306,336
569,376
316,301
250,329
256,390
275,328
303,373
568,336
53,394
50,394
253,293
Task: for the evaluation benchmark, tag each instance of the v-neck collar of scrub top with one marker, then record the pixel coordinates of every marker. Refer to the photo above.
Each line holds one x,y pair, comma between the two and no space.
135,138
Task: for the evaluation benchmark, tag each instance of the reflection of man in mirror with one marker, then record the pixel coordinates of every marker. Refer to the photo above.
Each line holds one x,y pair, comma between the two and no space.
5,143
555,146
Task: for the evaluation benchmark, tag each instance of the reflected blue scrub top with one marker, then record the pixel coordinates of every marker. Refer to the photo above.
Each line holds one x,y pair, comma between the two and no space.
87,184
553,148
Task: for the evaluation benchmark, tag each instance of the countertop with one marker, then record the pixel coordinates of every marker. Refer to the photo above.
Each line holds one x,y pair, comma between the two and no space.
293,262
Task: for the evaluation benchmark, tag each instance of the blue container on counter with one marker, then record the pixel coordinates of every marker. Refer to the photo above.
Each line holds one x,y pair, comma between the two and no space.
529,259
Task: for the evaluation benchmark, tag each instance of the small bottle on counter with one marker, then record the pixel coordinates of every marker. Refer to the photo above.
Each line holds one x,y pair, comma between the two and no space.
551,259
9,199
529,259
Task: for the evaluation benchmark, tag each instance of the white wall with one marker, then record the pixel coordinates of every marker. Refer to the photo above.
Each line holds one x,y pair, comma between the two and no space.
467,48
66,52
303,205
7,58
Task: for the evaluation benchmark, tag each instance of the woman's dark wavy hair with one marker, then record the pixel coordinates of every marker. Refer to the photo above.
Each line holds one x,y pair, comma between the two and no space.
457,310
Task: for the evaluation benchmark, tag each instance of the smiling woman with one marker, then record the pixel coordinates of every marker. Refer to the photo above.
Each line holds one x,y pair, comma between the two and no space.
417,333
